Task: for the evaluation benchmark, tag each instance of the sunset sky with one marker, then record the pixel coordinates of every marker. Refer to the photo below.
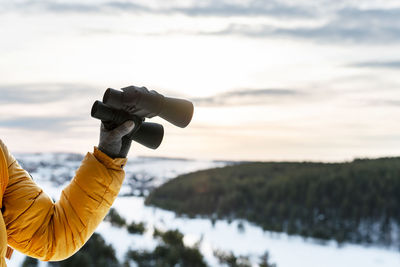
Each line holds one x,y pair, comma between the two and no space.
270,80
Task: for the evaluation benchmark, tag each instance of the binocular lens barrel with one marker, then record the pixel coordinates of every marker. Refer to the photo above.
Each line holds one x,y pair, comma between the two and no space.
177,111
143,103
149,134
145,133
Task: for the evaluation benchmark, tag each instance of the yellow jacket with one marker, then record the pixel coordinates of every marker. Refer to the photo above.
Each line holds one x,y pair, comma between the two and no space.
31,223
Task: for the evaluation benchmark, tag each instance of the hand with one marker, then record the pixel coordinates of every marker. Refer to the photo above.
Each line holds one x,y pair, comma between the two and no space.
115,143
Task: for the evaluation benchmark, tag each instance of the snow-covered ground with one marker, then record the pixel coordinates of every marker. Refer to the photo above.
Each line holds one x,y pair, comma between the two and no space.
251,240
284,250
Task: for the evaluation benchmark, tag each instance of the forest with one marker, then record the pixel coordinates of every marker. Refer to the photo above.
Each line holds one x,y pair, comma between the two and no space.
357,201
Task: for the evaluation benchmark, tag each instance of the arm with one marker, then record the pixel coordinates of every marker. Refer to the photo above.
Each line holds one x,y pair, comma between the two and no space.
54,231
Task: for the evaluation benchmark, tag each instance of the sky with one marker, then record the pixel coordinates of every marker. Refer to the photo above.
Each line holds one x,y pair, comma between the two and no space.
270,80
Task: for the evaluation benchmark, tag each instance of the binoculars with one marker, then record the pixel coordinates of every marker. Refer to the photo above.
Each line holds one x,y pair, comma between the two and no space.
137,104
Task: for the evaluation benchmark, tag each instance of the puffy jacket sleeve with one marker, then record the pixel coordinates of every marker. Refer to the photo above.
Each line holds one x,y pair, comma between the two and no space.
54,231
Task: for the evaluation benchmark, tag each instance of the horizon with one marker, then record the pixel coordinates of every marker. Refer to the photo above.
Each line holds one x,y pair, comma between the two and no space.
282,81
211,159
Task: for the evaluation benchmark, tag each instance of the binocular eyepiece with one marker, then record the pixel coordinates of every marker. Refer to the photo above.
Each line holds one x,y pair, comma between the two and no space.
137,103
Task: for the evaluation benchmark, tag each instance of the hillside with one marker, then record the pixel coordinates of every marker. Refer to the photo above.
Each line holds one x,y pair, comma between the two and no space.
228,240
357,201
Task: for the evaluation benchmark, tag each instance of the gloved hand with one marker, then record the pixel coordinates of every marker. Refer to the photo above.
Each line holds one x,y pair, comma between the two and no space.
114,143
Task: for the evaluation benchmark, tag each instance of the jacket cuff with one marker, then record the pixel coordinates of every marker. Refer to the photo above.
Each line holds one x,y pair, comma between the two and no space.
115,164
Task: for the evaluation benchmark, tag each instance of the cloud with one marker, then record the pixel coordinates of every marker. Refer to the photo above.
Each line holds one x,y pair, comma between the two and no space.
377,64
213,8
51,107
43,93
255,8
344,23
248,97
384,103
60,7
39,123
348,25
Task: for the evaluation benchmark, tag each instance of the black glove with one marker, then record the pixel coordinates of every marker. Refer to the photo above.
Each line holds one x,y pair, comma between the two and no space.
115,143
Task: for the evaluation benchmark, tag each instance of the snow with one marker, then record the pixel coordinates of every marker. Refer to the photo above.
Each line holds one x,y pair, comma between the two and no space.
284,250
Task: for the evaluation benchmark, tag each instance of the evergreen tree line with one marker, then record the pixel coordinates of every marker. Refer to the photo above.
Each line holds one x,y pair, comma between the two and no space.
117,220
357,201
